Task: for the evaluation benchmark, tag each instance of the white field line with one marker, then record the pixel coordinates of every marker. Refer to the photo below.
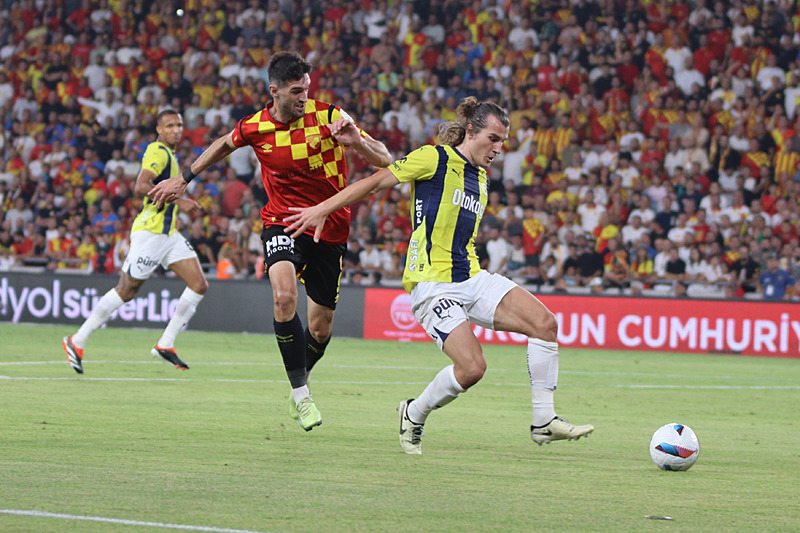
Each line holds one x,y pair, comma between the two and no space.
421,383
122,521
392,367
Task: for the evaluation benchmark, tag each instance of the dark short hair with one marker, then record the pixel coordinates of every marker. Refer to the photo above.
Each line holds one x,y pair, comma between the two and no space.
285,67
163,113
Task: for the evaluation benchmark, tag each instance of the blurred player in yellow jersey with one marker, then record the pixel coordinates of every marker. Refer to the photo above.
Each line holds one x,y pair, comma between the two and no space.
449,291
154,241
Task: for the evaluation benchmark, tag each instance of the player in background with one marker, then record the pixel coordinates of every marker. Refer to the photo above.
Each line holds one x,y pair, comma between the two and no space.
300,145
447,286
154,241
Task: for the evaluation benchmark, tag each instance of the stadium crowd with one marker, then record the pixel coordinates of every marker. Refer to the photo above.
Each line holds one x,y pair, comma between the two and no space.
652,144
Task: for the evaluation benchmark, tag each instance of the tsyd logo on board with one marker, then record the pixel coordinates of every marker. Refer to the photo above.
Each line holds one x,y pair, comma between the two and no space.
401,314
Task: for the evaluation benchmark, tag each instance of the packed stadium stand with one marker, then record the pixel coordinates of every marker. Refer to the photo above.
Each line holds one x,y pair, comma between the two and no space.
653,146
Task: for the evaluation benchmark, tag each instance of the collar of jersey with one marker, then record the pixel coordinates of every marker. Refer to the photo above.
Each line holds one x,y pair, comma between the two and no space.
462,156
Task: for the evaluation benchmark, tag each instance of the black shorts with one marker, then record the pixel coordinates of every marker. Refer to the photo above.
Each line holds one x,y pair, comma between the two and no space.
319,266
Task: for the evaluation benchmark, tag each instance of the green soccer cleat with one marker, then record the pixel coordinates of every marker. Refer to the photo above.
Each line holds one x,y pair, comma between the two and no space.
410,433
307,414
558,429
292,407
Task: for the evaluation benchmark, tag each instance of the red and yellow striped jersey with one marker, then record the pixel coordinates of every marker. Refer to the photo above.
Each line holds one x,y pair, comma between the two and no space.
787,162
302,164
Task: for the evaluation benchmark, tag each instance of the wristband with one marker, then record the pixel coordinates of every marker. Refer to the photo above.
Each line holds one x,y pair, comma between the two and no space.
188,175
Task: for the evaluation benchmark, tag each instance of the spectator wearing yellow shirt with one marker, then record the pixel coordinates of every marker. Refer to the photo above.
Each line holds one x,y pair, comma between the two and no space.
561,196
604,231
87,251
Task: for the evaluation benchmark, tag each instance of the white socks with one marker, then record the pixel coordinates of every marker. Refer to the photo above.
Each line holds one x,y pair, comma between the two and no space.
299,393
109,303
543,371
442,390
187,305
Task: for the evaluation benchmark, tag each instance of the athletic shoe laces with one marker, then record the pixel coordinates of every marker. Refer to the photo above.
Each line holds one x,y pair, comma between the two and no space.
416,434
303,408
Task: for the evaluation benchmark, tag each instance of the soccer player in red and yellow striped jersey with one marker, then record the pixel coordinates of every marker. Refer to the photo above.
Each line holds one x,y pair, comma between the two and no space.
300,143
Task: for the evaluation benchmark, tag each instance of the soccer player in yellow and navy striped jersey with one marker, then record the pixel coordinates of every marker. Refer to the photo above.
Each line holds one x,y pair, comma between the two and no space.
448,198
448,289
154,242
160,160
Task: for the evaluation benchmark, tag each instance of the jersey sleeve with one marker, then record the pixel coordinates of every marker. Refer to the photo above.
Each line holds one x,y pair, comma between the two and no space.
337,112
418,165
155,160
240,131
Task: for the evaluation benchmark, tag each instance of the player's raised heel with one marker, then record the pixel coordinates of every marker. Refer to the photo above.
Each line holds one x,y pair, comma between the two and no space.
558,429
74,354
307,414
410,433
168,355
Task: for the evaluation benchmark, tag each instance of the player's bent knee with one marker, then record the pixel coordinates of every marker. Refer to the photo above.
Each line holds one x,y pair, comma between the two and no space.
126,289
544,327
200,287
320,332
549,327
285,303
127,294
468,374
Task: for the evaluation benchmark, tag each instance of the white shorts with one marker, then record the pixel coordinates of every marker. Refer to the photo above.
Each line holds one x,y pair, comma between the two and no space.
441,306
148,250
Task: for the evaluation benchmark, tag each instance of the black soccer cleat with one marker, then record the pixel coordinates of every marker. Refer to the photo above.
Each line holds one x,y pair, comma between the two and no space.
168,355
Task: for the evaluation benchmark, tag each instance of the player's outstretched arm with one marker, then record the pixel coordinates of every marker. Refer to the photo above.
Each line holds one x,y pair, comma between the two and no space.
314,217
168,190
346,133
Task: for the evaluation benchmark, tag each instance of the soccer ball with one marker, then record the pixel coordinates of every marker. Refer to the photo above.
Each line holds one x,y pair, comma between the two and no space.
674,447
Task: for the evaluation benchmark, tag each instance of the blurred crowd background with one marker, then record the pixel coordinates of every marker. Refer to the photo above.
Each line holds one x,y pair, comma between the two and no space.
653,145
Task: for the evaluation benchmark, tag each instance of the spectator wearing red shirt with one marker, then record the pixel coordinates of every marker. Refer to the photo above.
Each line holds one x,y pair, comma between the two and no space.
533,237
627,70
703,56
718,37
22,246
232,193
786,231
83,47
77,21
394,137
546,75
399,221
42,147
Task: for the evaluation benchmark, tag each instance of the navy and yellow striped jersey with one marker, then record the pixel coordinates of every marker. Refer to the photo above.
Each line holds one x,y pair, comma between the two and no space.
160,160
448,196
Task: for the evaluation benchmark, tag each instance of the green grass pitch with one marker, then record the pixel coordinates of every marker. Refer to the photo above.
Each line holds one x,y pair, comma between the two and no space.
213,449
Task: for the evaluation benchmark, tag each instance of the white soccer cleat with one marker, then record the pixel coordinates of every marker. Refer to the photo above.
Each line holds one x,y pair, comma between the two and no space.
410,433
559,429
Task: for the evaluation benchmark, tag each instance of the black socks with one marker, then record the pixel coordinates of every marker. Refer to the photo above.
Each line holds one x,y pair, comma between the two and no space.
291,341
314,350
